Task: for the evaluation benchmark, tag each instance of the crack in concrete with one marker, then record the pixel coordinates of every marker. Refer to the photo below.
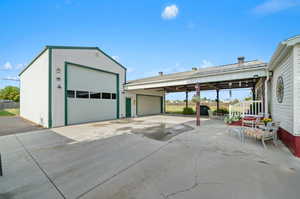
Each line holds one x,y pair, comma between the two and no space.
193,186
123,170
40,167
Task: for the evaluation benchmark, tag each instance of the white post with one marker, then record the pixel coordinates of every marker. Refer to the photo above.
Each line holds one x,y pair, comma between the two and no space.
266,96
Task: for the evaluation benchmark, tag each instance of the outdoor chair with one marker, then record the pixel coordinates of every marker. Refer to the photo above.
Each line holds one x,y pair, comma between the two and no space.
262,133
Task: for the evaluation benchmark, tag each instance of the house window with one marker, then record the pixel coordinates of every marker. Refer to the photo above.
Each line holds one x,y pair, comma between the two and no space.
113,96
70,94
94,95
106,96
280,89
82,94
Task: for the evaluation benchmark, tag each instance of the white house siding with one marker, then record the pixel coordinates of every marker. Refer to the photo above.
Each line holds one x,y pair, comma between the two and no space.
88,57
132,95
297,90
34,91
283,112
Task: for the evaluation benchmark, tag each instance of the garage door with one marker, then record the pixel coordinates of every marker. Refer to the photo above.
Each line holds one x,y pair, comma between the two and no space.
91,95
149,105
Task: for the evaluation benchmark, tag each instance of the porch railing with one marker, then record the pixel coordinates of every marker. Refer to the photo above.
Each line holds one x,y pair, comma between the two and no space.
243,108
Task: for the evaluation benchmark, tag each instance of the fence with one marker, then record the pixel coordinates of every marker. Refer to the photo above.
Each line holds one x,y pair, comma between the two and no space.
5,105
246,108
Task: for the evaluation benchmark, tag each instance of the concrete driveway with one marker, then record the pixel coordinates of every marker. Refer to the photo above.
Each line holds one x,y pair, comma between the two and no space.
14,124
150,157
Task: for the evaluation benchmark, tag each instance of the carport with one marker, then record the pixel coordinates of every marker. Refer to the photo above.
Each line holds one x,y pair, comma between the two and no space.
243,74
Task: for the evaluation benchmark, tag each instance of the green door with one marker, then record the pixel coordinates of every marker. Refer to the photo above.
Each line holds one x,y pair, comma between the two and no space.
128,107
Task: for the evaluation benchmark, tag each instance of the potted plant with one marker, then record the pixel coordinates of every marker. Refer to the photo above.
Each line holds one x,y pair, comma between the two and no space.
266,120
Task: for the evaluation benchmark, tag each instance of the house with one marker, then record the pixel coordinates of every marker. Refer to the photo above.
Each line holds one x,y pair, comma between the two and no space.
70,85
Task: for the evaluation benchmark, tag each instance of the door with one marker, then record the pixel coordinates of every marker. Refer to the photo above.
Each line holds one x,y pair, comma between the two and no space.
91,95
148,105
128,107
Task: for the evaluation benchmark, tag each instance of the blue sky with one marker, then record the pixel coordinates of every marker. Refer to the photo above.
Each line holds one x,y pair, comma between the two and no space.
147,36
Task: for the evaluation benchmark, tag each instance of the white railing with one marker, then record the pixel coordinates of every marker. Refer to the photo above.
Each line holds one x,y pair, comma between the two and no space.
254,108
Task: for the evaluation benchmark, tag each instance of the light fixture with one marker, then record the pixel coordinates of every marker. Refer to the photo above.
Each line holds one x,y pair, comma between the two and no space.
58,71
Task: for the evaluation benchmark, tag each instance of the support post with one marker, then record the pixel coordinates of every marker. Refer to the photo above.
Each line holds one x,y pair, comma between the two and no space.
186,99
198,105
1,172
266,100
253,93
218,101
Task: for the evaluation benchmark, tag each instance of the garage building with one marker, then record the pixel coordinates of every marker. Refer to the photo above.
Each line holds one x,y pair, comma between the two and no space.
67,85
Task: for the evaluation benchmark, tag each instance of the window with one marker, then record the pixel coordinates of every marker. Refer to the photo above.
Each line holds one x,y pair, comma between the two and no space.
82,94
113,96
70,94
106,96
95,95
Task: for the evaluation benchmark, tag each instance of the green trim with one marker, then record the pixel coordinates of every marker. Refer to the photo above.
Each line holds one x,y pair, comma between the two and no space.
66,96
136,101
75,48
50,90
91,68
118,97
95,69
32,61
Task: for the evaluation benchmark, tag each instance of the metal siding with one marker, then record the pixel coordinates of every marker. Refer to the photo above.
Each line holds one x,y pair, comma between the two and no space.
34,95
87,57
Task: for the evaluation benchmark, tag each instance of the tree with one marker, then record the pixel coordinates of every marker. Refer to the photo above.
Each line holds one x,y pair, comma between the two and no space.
10,93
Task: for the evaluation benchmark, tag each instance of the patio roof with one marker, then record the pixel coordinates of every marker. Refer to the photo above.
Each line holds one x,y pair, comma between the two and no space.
237,75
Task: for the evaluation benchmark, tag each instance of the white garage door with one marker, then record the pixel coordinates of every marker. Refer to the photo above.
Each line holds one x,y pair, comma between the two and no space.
91,95
148,105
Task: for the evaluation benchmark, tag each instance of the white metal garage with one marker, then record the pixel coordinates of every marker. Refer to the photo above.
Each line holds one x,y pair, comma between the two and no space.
91,94
148,104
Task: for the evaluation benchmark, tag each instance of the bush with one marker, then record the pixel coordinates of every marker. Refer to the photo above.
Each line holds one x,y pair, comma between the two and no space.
188,111
222,111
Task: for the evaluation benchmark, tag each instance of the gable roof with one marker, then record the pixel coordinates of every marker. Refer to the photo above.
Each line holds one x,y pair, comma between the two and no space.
70,47
248,65
282,50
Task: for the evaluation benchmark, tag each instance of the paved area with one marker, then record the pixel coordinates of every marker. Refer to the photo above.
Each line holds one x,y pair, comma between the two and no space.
157,157
11,125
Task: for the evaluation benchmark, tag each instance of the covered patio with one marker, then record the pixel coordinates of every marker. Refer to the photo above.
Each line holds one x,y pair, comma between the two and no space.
243,74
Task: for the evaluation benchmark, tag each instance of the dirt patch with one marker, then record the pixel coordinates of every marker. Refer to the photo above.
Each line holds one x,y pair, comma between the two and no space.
161,132
99,125
124,128
123,121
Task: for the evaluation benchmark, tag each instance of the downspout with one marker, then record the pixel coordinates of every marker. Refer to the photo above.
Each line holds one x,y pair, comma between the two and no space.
267,114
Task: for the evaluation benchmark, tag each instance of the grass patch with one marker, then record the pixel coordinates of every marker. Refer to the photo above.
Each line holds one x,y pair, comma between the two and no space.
9,112
176,109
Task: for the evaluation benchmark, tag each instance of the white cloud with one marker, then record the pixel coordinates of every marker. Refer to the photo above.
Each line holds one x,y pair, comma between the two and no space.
12,78
272,6
205,63
170,12
7,66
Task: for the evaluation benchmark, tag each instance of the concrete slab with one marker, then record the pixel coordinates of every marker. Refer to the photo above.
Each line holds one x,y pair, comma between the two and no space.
13,125
22,177
113,160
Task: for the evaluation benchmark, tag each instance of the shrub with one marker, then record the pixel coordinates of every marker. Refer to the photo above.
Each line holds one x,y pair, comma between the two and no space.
188,111
222,111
